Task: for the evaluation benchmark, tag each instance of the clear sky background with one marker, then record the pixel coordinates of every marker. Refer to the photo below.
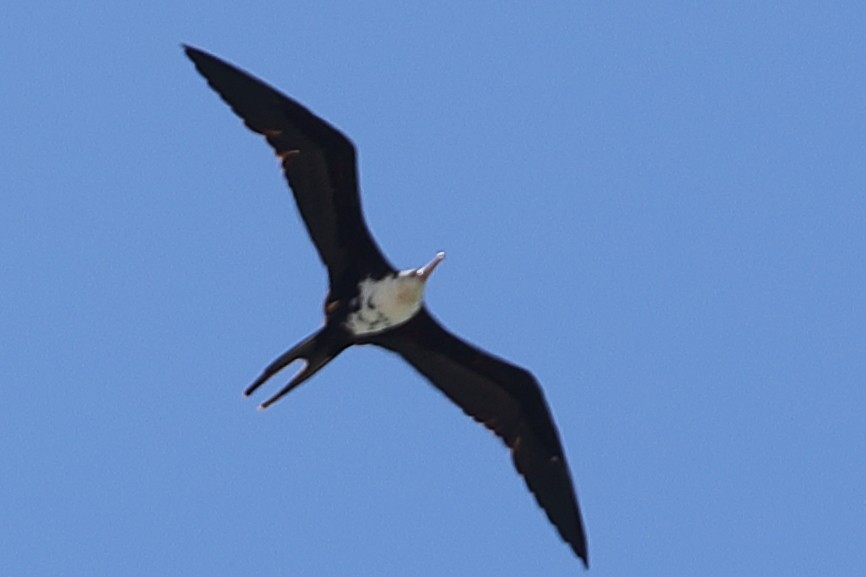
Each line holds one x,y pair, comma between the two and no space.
659,208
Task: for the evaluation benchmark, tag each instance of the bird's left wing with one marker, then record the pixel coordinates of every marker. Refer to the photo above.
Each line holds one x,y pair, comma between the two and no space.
505,399
318,160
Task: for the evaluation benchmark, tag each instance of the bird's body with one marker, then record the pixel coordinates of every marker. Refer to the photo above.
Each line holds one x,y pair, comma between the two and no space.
388,302
371,302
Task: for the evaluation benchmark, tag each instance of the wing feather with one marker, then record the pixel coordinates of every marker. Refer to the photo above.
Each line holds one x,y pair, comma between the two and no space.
507,400
318,161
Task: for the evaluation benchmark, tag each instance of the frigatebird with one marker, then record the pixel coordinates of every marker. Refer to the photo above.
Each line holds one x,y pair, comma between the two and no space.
371,302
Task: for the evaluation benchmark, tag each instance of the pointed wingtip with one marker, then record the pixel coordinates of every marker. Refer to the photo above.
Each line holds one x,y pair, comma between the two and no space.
193,53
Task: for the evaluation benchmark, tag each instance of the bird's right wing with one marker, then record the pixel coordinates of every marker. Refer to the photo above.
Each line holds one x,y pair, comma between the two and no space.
505,399
318,161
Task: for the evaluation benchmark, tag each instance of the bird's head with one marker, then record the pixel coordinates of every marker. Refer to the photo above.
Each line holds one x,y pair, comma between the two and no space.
412,281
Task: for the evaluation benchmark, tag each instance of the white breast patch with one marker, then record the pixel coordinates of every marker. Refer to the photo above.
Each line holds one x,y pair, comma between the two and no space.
385,303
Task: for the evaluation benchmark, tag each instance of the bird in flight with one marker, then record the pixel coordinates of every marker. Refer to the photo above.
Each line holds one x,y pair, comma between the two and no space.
371,302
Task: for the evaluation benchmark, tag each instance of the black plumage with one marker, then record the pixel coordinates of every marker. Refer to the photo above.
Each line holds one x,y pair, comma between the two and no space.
320,166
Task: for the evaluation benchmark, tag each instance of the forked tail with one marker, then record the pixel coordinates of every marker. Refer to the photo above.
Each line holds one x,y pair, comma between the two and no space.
316,351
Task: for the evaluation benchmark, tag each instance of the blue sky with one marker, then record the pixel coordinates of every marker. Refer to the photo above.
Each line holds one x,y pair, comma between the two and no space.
657,208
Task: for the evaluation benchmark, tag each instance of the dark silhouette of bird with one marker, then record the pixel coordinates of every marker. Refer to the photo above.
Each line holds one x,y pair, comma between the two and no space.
371,302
